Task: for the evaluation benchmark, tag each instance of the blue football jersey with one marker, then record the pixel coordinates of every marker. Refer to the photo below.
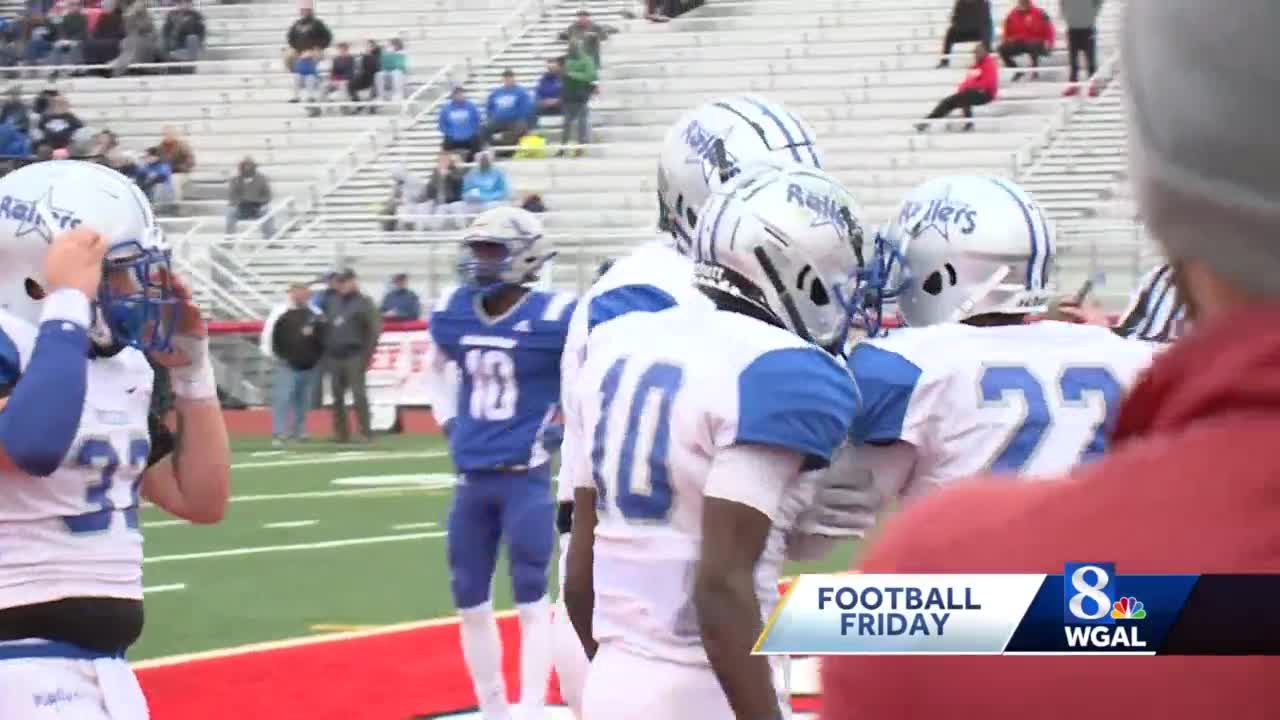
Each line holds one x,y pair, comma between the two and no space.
509,390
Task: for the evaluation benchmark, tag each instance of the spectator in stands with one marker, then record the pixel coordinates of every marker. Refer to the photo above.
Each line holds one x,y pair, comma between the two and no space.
587,34
460,124
306,80
354,326
105,39
367,68
1027,31
550,89
979,87
579,85
485,185
177,153
444,193
308,32
104,143
14,111
1081,17
249,198
293,335
408,198
141,44
13,142
71,29
533,203
391,73
10,41
653,11
184,32
970,22
509,109
341,71
400,303
155,177
59,124
39,34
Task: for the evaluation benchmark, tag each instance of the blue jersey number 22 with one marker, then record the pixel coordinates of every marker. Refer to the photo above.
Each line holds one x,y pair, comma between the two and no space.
1073,383
643,494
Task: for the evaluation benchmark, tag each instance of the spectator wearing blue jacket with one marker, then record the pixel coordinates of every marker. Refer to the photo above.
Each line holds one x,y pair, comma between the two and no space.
13,142
510,109
155,177
550,88
400,303
461,125
485,186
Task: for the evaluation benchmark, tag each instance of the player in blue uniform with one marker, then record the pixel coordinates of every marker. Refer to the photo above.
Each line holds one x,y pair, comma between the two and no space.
497,348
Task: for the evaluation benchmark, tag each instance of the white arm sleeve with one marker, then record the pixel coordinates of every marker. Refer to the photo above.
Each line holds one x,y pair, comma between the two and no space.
753,475
442,385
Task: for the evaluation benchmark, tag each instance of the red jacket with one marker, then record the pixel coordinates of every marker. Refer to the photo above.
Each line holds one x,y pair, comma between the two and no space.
984,76
1031,25
1192,485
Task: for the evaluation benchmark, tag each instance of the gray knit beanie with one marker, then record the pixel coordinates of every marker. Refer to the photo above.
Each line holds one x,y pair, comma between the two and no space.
1203,83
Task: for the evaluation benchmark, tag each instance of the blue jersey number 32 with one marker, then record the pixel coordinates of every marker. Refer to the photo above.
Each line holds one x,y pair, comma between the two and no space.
643,490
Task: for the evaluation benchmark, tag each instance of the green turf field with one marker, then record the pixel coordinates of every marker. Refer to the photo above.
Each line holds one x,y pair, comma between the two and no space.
317,538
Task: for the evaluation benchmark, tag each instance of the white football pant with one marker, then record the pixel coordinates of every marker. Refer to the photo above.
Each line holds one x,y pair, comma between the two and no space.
59,688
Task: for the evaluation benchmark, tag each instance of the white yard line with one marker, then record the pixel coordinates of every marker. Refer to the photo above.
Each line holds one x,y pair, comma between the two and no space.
292,548
413,526
164,588
165,523
330,493
290,524
326,459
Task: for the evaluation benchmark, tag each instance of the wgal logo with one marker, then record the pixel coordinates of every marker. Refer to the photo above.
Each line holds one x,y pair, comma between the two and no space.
1092,605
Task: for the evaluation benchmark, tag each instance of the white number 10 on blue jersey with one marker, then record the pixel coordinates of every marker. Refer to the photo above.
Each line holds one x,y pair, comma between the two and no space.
639,491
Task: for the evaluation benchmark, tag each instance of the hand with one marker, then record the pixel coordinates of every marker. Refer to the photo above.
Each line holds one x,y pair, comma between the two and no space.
846,504
74,261
188,322
1089,313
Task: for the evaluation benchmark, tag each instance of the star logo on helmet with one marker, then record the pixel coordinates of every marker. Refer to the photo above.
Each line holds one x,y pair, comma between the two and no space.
30,220
942,215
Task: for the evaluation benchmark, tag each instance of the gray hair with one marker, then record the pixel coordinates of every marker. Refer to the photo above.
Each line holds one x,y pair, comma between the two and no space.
1203,85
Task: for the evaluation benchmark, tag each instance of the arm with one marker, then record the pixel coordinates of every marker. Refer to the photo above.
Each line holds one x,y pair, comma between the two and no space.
737,517
268,331
442,387
41,410
579,582
375,331
415,307
440,122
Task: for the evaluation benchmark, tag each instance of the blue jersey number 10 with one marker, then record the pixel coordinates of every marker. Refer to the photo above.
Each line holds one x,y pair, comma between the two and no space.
1074,381
643,492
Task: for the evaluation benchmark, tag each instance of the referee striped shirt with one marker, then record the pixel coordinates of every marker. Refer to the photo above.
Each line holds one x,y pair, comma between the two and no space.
1155,312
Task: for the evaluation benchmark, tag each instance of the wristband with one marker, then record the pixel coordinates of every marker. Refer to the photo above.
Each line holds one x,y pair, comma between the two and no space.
67,305
194,381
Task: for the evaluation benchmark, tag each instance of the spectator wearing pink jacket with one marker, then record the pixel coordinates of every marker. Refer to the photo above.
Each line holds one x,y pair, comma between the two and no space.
979,87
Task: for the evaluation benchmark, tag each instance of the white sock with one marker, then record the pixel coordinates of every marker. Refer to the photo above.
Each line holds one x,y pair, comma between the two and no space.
535,657
482,649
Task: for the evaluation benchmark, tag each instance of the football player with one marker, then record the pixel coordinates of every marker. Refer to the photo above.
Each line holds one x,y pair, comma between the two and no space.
86,290
496,358
1155,312
704,149
699,422
969,386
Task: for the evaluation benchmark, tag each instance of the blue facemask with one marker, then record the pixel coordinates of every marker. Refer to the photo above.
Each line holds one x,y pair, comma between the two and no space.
145,317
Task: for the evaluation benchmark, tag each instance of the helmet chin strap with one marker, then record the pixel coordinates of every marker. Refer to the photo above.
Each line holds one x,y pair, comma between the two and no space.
983,290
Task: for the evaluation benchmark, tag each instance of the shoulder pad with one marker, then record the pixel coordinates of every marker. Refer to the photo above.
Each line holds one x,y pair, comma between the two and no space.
886,381
797,398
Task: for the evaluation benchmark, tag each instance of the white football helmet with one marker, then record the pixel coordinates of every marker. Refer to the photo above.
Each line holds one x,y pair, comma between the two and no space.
965,246
711,144
787,242
504,246
135,303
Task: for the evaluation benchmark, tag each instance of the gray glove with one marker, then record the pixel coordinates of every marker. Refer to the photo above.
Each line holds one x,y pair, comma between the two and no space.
847,500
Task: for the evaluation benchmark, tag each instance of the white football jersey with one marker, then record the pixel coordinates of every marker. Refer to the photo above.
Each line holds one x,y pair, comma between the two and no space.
1028,399
76,532
658,396
651,278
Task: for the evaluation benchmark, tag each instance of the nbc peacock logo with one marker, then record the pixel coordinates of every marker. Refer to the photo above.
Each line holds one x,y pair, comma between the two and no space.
1128,608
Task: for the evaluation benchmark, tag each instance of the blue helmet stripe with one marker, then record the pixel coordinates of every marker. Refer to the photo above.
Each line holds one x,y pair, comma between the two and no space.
715,228
1031,227
795,152
813,153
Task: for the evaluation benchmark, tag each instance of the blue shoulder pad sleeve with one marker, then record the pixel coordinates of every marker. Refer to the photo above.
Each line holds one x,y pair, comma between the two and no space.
10,364
886,381
625,299
39,423
796,398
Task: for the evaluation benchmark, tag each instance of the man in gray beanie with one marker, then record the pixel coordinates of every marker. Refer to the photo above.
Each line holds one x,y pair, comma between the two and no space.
1192,481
